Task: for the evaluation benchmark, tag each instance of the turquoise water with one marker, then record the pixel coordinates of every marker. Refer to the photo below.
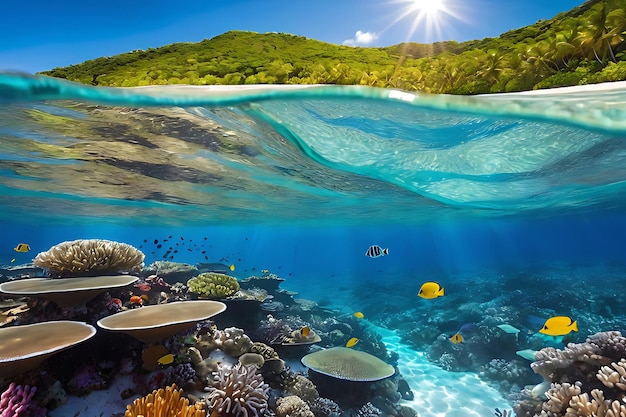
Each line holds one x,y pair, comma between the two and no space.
499,198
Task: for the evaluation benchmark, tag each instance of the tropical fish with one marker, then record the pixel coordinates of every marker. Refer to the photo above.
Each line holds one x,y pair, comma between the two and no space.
468,328
431,290
135,299
456,338
527,354
507,328
215,267
12,260
265,271
375,251
166,359
352,342
305,331
559,326
22,247
358,315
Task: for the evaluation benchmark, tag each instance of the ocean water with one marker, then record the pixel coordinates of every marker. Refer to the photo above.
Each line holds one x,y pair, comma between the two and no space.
514,203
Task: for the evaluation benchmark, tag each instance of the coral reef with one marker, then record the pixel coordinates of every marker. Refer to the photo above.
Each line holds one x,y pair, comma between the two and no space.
368,410
302,387
507,374
213,285
182,374
231,340
588,379
86,379
89,257
164,403
237,392
252,359
171,272
263,350
17,401
324,407
292,406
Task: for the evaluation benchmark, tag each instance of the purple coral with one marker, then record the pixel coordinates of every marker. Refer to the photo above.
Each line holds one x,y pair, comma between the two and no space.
85,380
17,401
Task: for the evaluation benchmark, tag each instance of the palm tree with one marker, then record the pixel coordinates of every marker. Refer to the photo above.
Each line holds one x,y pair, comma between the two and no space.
605,29
493,67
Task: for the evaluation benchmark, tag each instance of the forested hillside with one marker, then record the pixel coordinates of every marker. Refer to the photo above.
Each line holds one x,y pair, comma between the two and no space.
584,45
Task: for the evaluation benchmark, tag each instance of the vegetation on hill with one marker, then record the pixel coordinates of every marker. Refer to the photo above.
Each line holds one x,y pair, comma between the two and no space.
582,46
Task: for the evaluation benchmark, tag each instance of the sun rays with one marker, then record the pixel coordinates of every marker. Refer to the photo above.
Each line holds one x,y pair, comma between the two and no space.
431,19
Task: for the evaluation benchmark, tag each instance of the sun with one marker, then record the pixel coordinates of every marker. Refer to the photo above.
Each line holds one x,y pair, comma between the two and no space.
429,18
428,7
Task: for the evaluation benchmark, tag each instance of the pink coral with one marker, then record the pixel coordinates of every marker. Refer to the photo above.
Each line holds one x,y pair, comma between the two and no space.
17,401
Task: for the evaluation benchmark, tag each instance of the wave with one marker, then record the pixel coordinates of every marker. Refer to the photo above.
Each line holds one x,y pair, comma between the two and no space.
305,153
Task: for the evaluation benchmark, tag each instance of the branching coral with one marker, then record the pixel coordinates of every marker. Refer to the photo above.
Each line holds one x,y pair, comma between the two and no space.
292,406
89,257
213,285
614,375
368,410
238,392
17,401
588,379
168,402
325,407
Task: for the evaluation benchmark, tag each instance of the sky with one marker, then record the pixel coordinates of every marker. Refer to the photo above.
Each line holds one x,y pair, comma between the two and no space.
39,35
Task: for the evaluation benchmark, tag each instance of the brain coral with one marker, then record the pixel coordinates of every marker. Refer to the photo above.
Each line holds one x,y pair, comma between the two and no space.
213,285
238,392
89,257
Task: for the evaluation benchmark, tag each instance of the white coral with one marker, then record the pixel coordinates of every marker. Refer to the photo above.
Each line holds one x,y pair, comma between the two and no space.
292,406
238,392
614,375
82,256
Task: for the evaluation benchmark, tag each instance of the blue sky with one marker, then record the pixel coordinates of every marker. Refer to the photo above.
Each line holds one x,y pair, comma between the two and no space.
41,34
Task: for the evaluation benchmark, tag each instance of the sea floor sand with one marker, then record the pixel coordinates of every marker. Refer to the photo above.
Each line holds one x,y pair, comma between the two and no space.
440,393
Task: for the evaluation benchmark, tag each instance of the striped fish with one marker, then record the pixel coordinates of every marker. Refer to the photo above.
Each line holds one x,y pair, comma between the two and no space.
375,251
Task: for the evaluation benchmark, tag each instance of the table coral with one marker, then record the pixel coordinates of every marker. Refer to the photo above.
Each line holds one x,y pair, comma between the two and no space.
17,401
213,285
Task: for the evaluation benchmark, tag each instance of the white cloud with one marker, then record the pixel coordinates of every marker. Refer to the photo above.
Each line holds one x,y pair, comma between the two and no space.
361,38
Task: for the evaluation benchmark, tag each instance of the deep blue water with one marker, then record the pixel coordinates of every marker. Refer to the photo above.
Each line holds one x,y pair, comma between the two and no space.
302,181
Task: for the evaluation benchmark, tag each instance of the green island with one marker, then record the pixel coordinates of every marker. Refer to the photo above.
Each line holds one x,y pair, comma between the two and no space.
585,45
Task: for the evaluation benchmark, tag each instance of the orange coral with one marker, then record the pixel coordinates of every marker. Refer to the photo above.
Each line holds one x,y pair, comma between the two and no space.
165,402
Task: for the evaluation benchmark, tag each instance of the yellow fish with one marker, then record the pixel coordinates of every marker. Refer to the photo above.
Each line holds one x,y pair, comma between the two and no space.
352,342
305,331
22,247
232,267
431,290
358,315
456,338
12,260
265,271
559,326
166,359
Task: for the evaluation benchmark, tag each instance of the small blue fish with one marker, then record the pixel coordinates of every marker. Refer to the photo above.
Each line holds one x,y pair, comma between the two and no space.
468,328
